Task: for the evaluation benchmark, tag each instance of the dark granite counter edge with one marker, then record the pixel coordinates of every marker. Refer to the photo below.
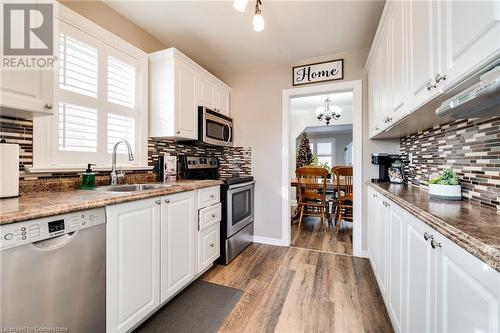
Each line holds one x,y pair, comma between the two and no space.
111,199
488,254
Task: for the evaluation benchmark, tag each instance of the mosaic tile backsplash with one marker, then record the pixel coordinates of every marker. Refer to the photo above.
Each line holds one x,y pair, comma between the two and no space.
233,160
470,147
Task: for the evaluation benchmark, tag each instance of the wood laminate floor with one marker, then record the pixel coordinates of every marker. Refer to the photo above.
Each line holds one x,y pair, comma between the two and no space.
311,235
296,290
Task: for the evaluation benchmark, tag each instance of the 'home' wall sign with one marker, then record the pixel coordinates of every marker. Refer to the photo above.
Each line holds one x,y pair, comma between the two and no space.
318,72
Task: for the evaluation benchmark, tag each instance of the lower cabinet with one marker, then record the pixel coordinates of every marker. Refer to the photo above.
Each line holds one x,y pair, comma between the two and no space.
208,247
178,242
153,251
132,263
429,284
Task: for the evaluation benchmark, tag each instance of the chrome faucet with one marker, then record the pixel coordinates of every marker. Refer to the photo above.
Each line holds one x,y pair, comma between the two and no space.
114,175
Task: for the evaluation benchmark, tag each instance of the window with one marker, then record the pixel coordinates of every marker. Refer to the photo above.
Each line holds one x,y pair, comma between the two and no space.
99,94
324,150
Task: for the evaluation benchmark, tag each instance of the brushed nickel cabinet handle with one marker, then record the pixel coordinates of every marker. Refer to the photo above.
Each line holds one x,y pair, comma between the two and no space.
439,77
167,201
428,236
435,244
212,196
212,244
213,216
48,106
158,202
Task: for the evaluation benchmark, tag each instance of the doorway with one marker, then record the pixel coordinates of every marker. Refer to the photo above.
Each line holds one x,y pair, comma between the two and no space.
326,146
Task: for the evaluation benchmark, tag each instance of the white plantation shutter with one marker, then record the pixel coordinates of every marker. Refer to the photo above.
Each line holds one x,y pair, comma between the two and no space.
77,66
120,127
98,94
77,128
121,83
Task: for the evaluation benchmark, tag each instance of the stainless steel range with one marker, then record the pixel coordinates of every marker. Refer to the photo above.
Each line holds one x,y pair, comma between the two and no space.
237,196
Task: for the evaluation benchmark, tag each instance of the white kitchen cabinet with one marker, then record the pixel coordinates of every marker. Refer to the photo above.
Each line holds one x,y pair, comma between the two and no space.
471,35
132,262
468,291
430,46
208,247
26,94
178,242
428,283
418,277
207,91
222,100
173,81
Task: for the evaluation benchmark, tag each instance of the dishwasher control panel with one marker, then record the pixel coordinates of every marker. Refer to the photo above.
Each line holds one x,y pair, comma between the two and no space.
21,233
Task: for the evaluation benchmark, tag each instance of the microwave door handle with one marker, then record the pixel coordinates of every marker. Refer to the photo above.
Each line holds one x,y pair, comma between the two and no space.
229,131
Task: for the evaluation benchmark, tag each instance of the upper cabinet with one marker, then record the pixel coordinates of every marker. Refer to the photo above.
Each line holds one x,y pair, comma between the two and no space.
26,93
177,86
424,48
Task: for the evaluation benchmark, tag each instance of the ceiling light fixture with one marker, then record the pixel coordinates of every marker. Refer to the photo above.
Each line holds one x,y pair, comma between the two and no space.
240,5
328,112
258,19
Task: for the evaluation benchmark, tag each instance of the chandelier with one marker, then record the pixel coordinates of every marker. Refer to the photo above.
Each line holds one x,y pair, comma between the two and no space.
328,112
258,19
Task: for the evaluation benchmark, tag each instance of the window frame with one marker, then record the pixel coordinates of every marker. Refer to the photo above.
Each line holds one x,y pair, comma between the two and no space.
44,139
314,143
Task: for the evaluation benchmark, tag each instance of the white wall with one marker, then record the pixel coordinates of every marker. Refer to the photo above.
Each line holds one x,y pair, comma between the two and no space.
256,109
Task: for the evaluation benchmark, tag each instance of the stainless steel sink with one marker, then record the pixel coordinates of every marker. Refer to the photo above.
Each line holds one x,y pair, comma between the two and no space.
134,187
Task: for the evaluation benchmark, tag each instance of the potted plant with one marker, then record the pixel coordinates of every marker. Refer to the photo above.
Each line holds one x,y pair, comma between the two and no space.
315,162
446,186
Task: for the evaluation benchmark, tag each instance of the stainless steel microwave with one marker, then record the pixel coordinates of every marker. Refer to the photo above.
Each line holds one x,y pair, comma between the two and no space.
214,128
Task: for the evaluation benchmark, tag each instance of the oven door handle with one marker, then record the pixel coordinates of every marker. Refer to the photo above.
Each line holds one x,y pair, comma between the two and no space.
229,131
233,187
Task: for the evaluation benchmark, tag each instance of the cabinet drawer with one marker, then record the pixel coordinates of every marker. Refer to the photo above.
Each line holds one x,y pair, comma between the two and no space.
208,196
208,246
209,216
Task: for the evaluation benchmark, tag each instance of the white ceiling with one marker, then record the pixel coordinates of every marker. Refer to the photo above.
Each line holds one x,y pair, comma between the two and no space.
307,104
221,39
332,129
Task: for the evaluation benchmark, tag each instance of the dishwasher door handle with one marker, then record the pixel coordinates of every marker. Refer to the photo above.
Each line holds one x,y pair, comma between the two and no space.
55,242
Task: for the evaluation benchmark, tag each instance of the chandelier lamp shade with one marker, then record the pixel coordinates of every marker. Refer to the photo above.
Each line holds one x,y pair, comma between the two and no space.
258,19
328,112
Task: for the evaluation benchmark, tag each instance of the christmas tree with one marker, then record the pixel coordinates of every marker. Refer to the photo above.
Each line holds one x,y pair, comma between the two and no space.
304,154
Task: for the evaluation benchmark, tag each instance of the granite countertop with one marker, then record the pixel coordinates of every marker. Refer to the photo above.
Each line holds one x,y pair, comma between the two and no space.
37,205
473,227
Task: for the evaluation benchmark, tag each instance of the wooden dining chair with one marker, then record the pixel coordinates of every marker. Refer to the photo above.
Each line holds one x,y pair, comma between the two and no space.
312,192
334,196
344,202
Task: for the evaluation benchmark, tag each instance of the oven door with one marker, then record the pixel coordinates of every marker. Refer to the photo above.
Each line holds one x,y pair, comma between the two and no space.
239,207
217,130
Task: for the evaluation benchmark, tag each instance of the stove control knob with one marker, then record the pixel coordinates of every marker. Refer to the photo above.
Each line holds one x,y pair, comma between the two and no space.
8,236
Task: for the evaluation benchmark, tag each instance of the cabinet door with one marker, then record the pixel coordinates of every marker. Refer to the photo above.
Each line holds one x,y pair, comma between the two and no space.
471,34
418,278
424,53
206,92
372,227
398,61
396,253
223,101
208,247
468,291
178,232
27,91
383,238
132,262
187,115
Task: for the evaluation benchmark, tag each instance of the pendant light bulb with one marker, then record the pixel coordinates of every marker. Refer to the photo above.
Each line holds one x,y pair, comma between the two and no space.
258,21
240,5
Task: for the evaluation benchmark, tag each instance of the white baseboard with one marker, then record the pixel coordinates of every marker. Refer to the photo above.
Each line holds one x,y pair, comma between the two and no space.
269,241
362,254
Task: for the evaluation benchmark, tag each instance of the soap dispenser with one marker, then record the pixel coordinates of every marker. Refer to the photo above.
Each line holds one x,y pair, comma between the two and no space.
88,178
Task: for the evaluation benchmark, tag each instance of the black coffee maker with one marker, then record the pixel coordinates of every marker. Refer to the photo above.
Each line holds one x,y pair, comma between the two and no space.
384,162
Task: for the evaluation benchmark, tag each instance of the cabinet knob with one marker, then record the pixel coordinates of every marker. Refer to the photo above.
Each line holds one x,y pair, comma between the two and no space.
430,85
158,202
212,244
435,244
439,77
178,132
167,200
212,196
427,236
48,106
213,216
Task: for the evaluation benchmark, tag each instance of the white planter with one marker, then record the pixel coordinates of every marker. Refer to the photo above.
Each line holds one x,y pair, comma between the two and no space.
446,192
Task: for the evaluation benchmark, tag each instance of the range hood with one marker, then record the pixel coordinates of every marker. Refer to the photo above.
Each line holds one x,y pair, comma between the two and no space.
481,100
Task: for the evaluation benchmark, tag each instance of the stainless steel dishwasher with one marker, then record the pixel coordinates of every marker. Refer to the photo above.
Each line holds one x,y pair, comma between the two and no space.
53,273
